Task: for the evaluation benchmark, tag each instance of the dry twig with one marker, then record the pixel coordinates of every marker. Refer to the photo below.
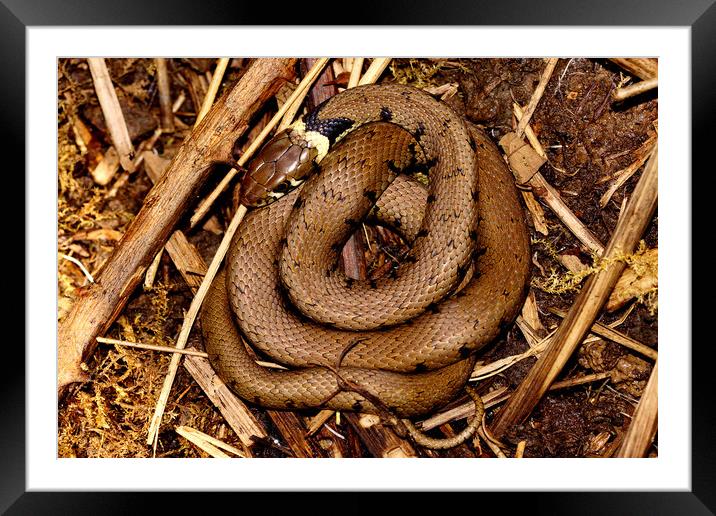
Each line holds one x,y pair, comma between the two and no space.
643,425
587,304
113,116
635,89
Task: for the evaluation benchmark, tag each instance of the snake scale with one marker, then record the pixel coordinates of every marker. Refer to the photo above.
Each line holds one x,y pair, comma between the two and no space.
406,342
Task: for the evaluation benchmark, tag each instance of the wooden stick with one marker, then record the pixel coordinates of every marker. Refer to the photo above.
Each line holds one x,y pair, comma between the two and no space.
642,67
185,257
151,273
496,397
97,306
113,116
294,432
165,95
152,347
200,442
291,113
235,412
533,206
580,380
613,335
643,426
210,96
374,70
256,144
189,319
464,410
355,72
536,96
635,89
207,443
317,421
380,440
587,305
623,175
551,197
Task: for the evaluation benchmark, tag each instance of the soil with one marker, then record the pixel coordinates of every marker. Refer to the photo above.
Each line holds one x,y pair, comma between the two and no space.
587,138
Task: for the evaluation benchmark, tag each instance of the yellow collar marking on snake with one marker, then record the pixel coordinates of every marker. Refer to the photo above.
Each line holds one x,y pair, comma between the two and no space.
314,138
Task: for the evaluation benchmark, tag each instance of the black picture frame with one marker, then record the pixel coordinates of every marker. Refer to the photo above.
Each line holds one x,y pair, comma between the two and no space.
17,15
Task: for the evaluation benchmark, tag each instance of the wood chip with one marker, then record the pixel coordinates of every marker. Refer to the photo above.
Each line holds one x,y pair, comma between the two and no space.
235,412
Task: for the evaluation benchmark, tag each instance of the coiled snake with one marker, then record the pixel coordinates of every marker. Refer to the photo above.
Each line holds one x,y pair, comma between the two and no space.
407,342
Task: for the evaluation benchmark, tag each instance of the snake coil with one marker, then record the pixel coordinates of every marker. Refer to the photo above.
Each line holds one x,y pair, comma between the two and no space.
405,343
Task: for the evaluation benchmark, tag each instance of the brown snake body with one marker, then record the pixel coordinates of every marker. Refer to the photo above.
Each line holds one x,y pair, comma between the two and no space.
408,341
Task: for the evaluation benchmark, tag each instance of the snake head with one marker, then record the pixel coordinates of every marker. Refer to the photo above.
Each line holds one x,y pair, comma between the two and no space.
279,167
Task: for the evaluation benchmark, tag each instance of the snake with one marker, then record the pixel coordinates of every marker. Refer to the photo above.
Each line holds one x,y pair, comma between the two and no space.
406,342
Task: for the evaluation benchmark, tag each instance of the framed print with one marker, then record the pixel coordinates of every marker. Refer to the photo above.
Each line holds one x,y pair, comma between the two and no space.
146,143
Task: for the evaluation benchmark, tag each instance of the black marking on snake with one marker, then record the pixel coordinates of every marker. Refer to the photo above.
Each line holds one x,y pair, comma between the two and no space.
331,128
431,199
473,235
256,399
373,284
370,195
395,169
434,308
419,132
422,233
337,247
471,143
297,203
420,368
462,271
398,222
352,223
476,324
282,242
462,293
410,259
464,351
386,115
458,172
290,404
349,282
477,253
475,194
357,406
